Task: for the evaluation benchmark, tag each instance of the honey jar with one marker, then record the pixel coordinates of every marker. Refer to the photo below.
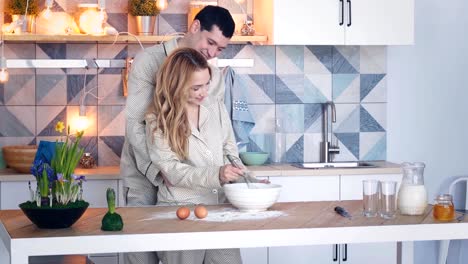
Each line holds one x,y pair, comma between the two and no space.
444,209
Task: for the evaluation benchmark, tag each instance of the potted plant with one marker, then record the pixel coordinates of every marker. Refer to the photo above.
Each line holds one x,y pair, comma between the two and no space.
145,12
57,201
17,10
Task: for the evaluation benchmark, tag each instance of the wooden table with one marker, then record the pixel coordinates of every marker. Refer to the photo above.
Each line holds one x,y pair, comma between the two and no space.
304,223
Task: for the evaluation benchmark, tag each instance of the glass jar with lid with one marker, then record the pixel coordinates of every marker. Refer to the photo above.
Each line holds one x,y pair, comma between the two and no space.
444,210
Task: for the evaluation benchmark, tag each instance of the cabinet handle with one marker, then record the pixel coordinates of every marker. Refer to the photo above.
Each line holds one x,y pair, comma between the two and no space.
335,253
345,252
349,12
342,13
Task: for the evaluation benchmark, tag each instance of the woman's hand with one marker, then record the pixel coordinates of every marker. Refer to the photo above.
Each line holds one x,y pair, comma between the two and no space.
229,173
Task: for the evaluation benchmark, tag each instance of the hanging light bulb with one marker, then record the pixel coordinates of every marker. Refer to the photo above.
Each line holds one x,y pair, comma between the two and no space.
4,75
47,13
81,123
161,4
3,65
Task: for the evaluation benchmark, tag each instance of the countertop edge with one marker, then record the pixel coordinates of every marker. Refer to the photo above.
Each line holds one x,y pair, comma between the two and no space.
268,170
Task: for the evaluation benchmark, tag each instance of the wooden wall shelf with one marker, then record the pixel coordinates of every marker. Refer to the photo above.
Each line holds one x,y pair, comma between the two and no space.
110,39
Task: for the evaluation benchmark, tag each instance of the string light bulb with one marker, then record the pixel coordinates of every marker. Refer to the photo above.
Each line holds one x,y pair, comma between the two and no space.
82,122
4,75
161,4
47,13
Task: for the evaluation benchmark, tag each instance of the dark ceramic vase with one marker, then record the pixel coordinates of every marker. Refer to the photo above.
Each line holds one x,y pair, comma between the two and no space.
53,218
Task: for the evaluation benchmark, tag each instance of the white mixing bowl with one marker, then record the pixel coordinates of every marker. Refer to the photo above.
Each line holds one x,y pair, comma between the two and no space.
259,197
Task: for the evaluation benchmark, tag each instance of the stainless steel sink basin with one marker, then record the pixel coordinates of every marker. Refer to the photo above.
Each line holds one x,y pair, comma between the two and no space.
331,165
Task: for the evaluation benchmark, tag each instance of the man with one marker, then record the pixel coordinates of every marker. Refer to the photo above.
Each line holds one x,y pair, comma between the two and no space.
209,34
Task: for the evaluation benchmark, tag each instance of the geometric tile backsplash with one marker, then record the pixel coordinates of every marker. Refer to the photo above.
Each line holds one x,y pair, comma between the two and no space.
285,91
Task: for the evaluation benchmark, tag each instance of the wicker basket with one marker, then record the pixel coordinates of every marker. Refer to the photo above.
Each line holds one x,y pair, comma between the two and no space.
19,158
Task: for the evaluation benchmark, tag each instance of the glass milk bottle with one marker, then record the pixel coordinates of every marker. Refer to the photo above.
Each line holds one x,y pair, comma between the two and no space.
412,197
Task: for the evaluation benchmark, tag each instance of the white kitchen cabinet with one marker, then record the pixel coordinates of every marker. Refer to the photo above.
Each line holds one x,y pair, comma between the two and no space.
308,188
330,188
12,193
335,22
94,192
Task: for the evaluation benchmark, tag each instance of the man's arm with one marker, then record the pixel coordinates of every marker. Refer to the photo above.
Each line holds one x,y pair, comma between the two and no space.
141,85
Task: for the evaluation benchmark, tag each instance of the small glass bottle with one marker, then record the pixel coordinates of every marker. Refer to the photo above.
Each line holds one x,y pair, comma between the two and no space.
444,209
87,161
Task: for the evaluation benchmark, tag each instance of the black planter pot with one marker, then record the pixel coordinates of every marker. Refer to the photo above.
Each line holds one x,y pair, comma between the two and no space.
53,218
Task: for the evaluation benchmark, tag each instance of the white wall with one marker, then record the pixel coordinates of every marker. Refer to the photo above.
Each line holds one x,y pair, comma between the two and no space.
428,99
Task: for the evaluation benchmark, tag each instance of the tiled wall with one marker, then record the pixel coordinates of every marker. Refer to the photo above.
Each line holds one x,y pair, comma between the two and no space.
285,91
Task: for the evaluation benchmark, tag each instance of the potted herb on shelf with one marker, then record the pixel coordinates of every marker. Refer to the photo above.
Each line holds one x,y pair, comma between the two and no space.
17,10
145,12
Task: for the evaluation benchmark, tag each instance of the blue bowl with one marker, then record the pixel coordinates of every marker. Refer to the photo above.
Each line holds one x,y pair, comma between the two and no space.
254,158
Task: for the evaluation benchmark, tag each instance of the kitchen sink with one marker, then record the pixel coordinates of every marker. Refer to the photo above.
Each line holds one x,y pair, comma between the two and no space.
330,165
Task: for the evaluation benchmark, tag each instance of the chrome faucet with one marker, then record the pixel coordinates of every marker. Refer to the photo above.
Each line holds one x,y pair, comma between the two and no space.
327,148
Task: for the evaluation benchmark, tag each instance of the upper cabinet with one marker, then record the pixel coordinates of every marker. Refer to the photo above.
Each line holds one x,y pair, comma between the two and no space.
335,22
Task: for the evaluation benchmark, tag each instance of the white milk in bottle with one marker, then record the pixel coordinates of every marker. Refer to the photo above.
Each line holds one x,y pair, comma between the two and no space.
412,197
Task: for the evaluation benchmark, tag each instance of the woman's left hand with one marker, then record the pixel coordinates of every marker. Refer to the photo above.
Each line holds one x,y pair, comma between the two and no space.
229,173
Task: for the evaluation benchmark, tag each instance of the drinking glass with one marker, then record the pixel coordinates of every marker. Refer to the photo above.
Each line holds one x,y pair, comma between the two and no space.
388,199
370,193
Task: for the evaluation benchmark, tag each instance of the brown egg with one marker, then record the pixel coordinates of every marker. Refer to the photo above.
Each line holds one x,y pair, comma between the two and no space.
183,212
201,211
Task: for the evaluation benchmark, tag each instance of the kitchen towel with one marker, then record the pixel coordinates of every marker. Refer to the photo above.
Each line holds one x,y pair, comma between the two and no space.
235,99
45,151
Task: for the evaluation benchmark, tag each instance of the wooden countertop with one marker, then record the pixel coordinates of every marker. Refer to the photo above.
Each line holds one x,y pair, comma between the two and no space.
157,228
271,170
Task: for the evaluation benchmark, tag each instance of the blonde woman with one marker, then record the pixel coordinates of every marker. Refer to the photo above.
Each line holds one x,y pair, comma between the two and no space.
189,135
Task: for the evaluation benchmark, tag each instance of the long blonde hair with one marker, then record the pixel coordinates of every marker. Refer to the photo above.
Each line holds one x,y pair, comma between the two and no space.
171,97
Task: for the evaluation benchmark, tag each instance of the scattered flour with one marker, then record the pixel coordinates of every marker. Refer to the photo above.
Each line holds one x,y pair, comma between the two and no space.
221,215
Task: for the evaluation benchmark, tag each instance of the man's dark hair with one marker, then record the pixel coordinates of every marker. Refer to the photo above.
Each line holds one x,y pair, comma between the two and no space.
219,16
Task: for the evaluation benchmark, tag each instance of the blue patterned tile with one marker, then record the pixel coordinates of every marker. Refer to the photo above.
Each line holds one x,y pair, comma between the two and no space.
290,59
318,59
346,88
264,117
19,51
261,88
312,142
231,51
341,63
109,150
51,89
313,118
290,118
289,88
317,88
47,117
118,21
75,88
368,122
110,120
369,82
347,118
373,59
51,51
20,88
373,145
17,121
11,141
110,90
295,152
171,23
350,141
263,56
